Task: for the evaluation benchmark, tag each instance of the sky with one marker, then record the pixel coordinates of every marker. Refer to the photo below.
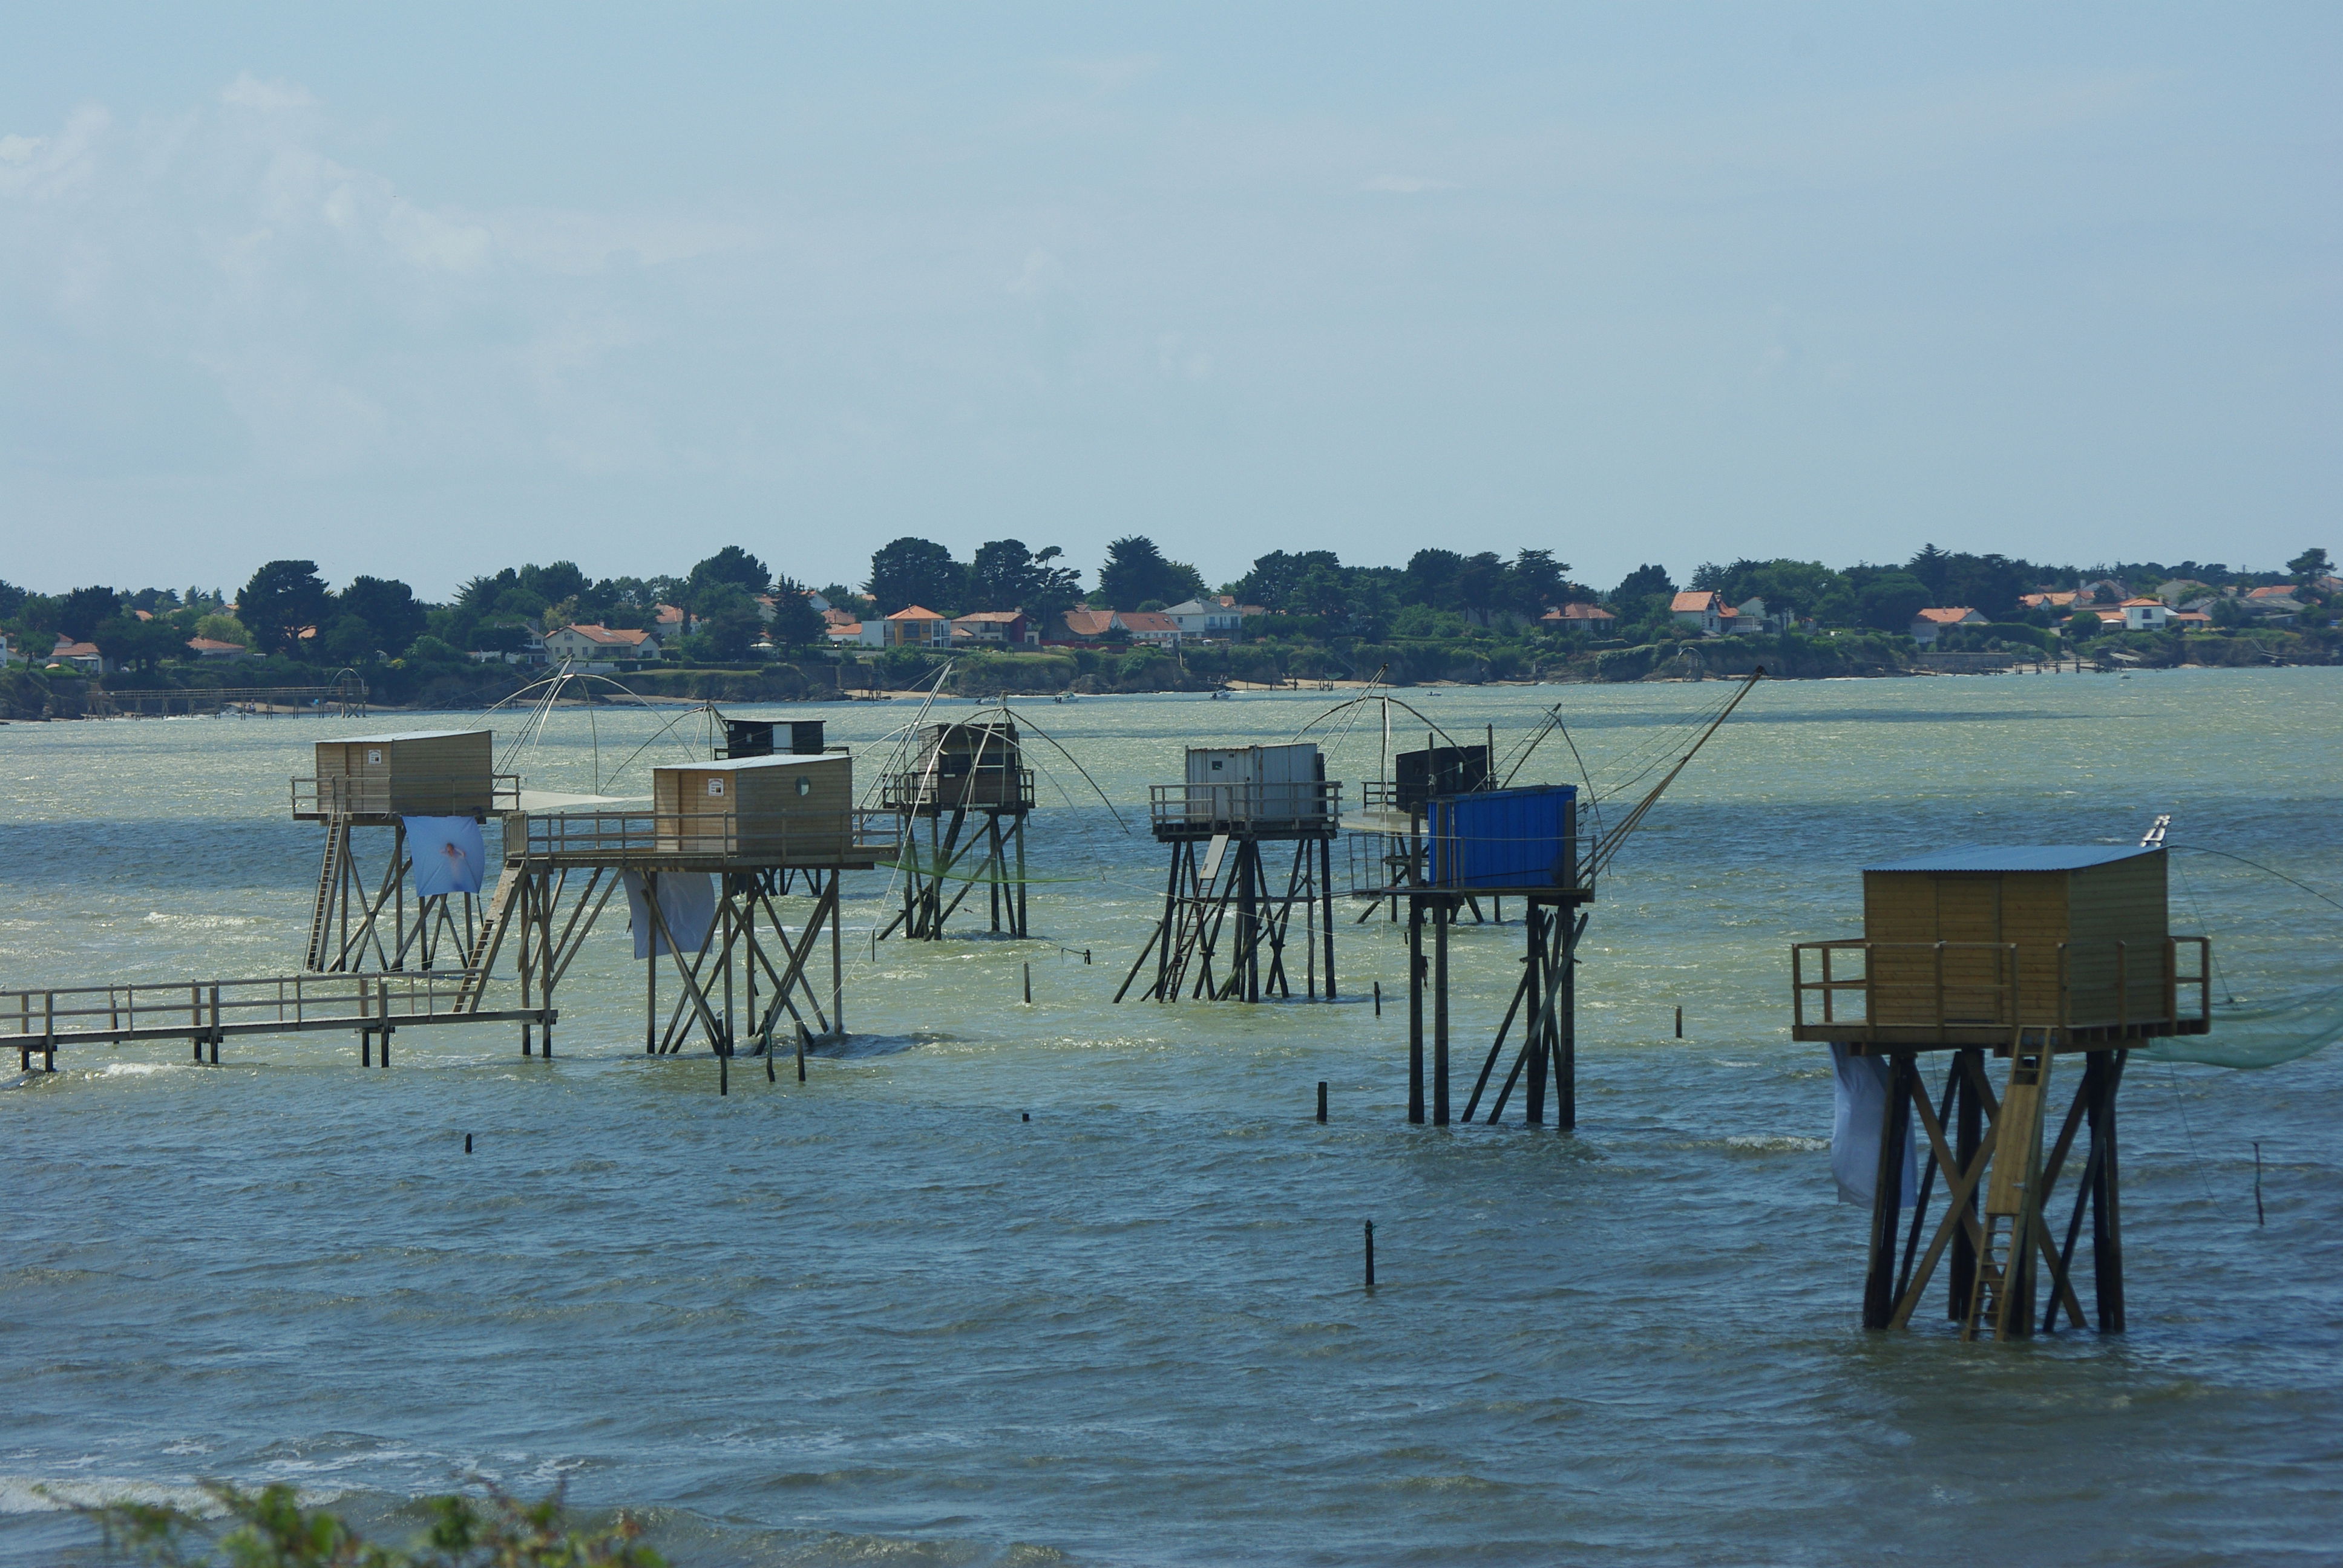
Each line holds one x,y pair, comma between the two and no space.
424,290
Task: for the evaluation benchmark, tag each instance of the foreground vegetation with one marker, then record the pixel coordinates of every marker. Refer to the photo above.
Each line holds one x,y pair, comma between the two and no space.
270,1528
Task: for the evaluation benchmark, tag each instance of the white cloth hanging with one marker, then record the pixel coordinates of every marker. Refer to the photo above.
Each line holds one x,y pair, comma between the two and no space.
447,853
1858,1115
687,902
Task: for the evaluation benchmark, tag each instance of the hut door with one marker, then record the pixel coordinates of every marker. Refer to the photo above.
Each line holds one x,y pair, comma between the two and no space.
1968,921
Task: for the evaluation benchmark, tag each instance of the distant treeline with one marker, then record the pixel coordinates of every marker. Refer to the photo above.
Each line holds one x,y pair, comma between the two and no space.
287,612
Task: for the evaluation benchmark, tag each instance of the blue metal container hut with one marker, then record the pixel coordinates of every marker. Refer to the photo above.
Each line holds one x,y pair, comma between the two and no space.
1503,838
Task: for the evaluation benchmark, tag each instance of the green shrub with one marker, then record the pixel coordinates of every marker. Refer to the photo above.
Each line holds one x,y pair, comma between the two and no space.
270,1528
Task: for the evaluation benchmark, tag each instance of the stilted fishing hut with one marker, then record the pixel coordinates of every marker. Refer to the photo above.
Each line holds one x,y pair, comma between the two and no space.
1437,837
966,785
2057,961
1228,924
719,844
1459,847
384,782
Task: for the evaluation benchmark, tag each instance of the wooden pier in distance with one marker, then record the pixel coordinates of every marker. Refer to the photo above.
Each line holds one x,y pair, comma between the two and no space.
204,1013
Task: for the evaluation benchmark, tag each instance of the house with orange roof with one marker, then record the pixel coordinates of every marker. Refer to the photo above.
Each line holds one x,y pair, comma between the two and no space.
82,656
1591,619
1929,623
592,645
1149,626
2145,614
1087,625
1704,612
995,628
914,626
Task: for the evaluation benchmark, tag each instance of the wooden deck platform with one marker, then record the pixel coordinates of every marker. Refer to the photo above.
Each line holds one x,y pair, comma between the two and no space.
1954,996
854,840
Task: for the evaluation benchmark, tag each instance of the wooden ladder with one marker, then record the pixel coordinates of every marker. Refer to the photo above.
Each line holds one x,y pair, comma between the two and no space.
2010,1204
329,879
1193,916
490,938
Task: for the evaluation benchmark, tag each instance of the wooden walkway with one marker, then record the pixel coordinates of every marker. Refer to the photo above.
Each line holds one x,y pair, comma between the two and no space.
374,1007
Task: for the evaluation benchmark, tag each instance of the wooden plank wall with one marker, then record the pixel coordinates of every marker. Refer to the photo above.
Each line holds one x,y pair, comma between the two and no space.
2125,900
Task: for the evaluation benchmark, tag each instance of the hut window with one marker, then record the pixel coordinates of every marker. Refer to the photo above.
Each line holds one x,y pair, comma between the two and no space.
715,786
804,785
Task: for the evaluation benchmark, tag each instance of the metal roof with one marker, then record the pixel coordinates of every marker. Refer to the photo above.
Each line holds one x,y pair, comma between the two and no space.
398,735
2016,858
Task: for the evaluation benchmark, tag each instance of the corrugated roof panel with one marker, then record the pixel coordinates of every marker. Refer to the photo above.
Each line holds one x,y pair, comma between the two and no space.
2016,858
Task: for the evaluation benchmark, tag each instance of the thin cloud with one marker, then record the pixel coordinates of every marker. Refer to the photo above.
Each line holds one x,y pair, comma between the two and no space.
249,91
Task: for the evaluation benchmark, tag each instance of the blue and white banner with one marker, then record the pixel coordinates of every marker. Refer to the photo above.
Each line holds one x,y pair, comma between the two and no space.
448,853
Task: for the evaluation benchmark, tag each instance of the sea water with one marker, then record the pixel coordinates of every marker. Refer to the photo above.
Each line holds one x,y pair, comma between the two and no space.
882,1316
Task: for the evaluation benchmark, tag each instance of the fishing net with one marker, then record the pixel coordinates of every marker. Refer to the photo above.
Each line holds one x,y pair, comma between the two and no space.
2262,1034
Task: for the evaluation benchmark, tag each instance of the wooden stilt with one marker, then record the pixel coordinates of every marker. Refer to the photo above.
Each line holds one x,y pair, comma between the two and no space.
1966,1073
1415,1010
1887,1195
1444,914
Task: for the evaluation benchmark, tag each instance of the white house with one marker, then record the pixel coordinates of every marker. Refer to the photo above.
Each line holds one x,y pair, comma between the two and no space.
1704,612
2145,614
601,645
82,656
1196,618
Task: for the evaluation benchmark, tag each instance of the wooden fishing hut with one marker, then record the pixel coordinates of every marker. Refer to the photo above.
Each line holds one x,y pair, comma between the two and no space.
1439,835
962,774
377,781
2028,954
1444,839
1234,801
750,823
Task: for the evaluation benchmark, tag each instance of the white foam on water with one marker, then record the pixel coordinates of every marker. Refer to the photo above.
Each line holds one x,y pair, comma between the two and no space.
54,1495
1773,1143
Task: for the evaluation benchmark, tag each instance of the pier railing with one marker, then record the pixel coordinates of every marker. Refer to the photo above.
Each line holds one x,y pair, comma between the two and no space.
835,838
1002,787
1981,993
323,796
348,700
40,1018
1195,810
